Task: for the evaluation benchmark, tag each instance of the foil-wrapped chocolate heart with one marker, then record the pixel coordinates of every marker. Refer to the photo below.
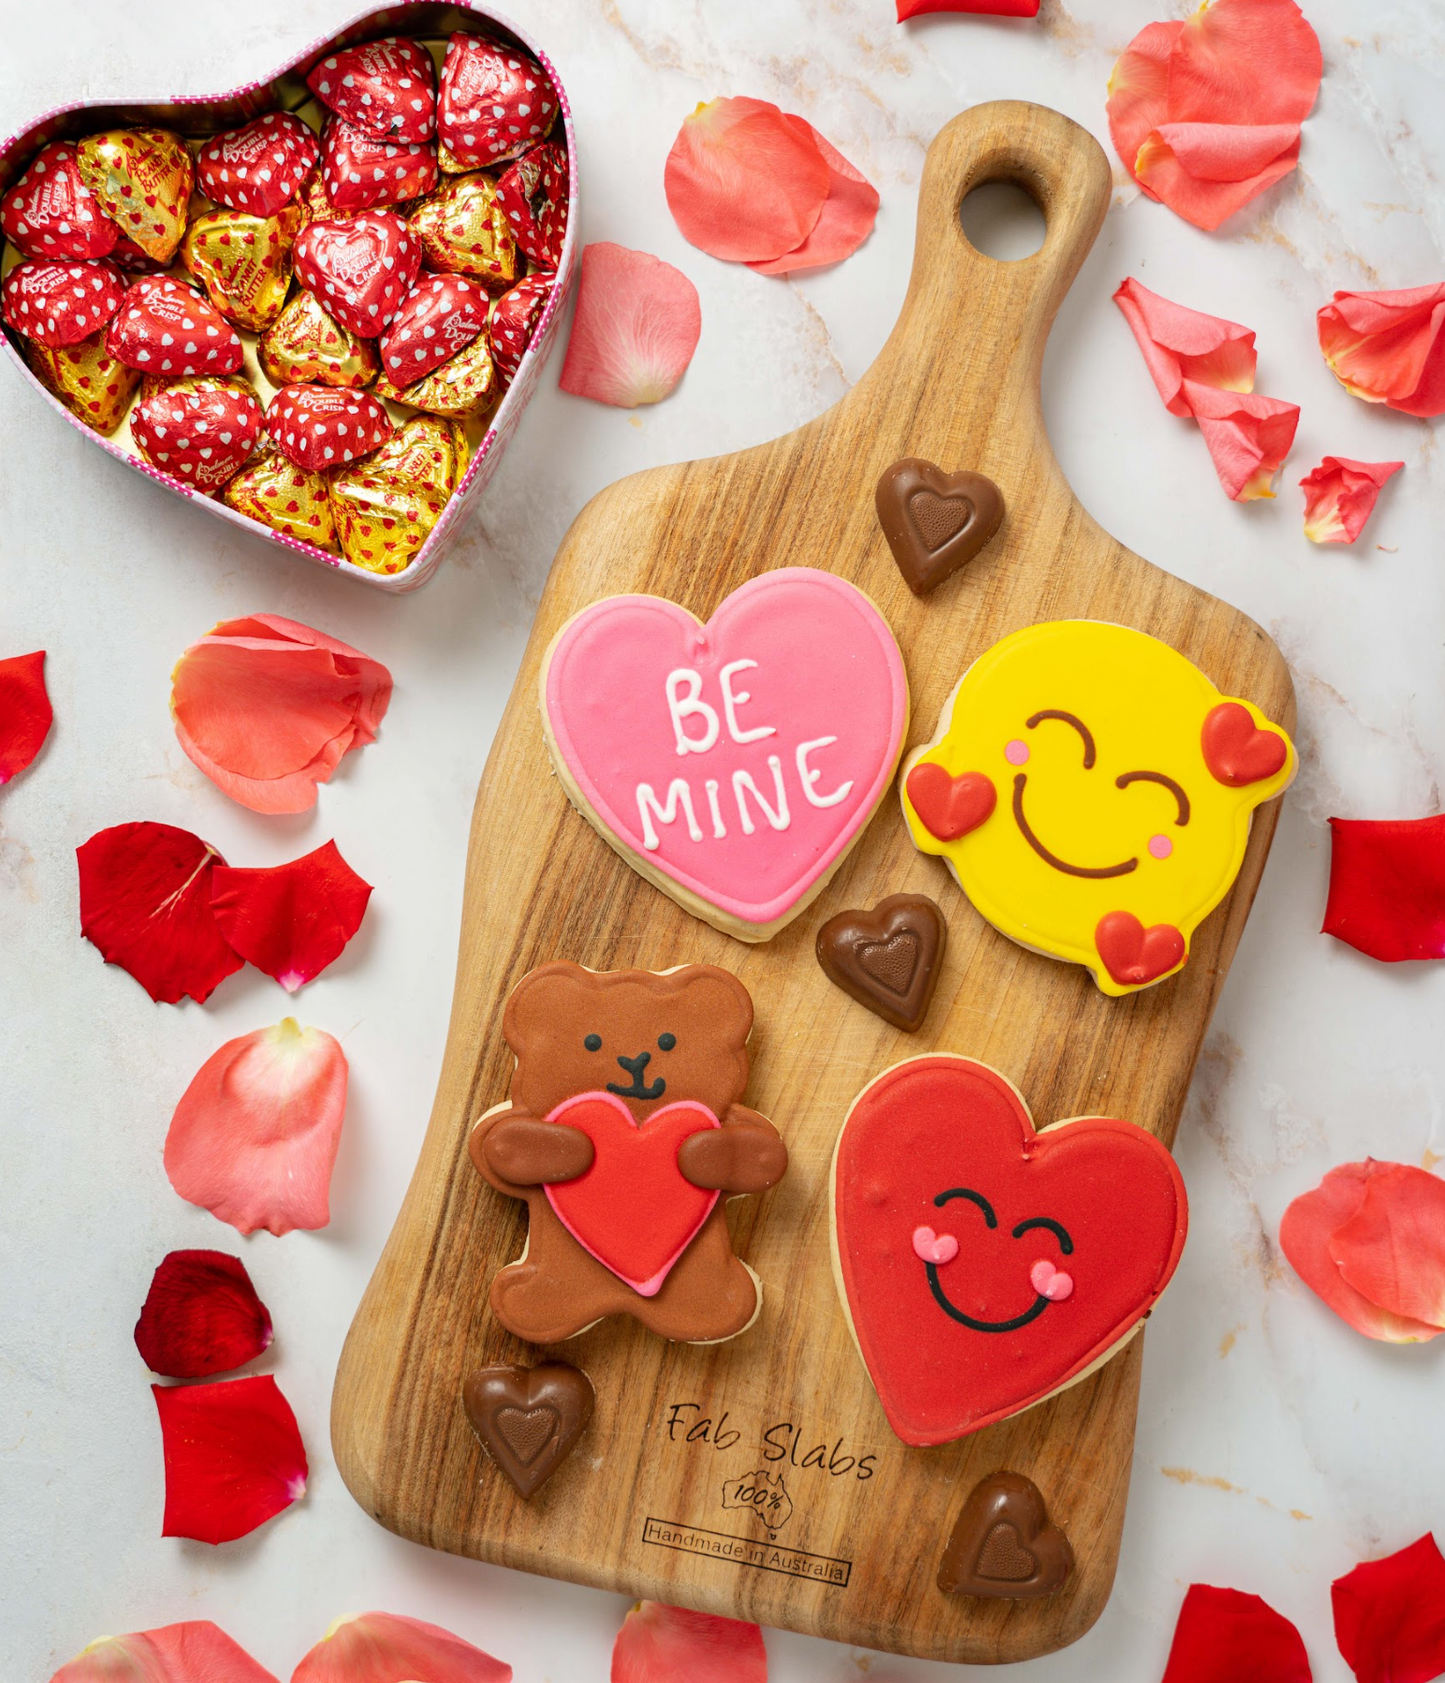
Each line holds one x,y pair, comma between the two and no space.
386,505
244,262
306,346
291,500
199,430
142,178
464,388
94,386
463,229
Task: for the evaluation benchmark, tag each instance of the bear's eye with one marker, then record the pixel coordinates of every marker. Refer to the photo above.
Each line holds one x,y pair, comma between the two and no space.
667,1041
593,1042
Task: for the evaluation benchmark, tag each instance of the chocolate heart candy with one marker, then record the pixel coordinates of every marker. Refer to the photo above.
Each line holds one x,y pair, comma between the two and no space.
306,346
1003,1544
465,386
142,178
244,262
464,230
294,501
95,386
935,522
887,959
528,1418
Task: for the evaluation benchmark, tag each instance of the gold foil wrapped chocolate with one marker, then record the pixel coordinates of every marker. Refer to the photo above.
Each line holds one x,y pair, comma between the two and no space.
92,385
142,178
464,231
306,346
449,162
387,503
288,499
244,262
464,388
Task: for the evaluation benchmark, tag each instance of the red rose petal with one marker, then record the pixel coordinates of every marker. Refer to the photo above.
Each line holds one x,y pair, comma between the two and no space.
662,1644
1387,886
201,1316
1245,61
1226,1636
997,8
1205,172
145,902
846,220
1180,344
742,182
234,1457
1392,1248
1390,1616
1305,1235
194,1652
291,920
637,324
388,1648
25,714
1138,84
1388,347
267,707
1340,496
255,1135
1248,436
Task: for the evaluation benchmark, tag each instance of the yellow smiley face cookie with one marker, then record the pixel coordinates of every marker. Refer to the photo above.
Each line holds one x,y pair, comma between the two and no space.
1092,791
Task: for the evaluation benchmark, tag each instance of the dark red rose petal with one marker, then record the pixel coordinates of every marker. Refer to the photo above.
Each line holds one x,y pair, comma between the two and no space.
291,920
25,715
201,1316
1226,1636
1390,1616
1387,886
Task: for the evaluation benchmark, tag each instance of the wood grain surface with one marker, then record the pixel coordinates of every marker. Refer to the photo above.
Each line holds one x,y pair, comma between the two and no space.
640,1506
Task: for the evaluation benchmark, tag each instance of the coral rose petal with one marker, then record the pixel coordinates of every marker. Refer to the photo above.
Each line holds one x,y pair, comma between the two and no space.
1340,496
25,715
742,182
201,1317
266,707
996,8
194,1652
1226,1636
637,324
1248,436
1390,1616
255,1135
1180,344
145,902
388,1648
846,220
1245,61
1305,1234
1387,887
291,920
1137,87
234,1457
1392,1248
1388,347
662,1644
1205,172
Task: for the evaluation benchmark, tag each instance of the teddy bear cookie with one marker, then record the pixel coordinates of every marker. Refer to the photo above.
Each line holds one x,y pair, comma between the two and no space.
625,1134
1092,791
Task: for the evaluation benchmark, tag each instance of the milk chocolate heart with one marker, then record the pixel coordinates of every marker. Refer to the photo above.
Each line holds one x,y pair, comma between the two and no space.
528,1418
887,959
1002,1544
935,522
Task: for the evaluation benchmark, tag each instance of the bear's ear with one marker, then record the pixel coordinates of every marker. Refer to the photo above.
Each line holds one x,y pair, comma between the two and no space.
718,999
540,997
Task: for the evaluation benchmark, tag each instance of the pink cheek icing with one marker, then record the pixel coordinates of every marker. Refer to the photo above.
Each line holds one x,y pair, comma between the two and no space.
1160,847
1017,753
740,757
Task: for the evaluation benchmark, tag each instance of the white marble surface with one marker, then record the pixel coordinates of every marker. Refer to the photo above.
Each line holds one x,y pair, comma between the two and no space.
1275,1446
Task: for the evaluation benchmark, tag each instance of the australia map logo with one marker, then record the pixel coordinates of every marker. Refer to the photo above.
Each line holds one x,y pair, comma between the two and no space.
763,1494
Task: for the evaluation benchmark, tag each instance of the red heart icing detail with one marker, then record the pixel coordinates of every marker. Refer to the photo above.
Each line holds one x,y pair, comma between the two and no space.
1236,750
1134,955
949,807
945,1142
633,1209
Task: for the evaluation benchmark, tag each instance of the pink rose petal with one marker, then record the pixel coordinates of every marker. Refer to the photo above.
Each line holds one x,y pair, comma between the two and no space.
637,325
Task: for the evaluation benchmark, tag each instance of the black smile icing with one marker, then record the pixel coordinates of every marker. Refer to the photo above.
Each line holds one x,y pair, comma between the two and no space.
638,1088
1040,1303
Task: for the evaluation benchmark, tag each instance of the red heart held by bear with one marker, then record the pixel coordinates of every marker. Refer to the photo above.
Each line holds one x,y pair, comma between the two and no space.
949,807
1236,750
944,1143
1133,955
633,1209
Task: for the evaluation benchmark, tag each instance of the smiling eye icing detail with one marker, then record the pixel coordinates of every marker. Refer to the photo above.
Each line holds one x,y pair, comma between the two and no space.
936,1250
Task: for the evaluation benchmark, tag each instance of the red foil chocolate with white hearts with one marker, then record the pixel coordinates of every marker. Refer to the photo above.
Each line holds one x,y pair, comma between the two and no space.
464,231
360,268
258,169
360,172
59,304
495,101
513,321
142,178
50,212
533,193
463,388
384,88
320,427
164,328
200,431
440,316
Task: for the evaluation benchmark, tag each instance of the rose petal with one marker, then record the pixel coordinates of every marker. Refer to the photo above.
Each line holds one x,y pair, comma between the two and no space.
1205,172
1244,61
1392,1248
194,1652
266,707
201,1316
388,1648
637,324
1137,87
1387,886
1248,436
1387,347
998,8
1226,1636
1180,344
1305,1233
234,1457
291,920
1390,1616
845,221
1340,496
742,182
25,715
255,1135
145,902
662,1644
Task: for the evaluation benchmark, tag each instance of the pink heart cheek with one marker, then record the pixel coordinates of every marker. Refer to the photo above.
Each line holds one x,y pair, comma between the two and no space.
929,1246
1050,1282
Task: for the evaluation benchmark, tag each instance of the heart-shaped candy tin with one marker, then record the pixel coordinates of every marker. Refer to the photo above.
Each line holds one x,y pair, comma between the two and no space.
98,391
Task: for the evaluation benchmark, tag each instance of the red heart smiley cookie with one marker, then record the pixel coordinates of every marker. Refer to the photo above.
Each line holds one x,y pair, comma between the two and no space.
984,1266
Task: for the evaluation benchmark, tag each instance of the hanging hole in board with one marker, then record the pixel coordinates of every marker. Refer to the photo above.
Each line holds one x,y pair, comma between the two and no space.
1002,220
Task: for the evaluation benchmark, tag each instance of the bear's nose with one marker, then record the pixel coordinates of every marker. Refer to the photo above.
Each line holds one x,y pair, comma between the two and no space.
635,1066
